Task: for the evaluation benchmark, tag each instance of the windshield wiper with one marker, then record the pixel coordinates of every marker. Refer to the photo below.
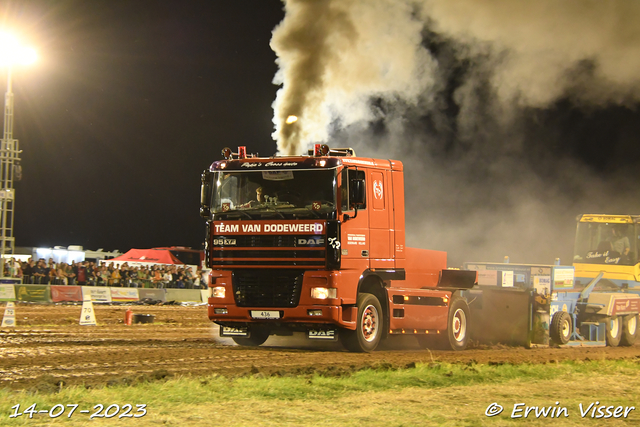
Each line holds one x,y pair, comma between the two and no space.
229,213
275,212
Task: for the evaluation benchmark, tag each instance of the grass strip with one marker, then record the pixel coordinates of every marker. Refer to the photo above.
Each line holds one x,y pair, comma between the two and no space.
442,393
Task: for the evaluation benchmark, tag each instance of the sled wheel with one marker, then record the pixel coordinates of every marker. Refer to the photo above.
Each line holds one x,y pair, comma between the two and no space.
629,329
369,326
561,327
258,336
613,328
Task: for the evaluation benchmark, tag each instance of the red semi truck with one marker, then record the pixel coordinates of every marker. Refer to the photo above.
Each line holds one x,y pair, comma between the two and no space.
316,244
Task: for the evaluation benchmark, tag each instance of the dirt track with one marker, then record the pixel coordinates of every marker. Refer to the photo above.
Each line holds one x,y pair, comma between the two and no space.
48,348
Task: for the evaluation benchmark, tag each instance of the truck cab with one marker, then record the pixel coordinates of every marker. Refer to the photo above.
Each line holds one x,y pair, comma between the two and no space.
609,244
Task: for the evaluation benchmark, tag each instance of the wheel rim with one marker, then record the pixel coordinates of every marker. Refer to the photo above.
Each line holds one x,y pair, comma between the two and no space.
459,326
632,325
565,329
615,327
369,323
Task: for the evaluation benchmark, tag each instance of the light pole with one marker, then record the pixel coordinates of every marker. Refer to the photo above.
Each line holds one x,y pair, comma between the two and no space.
11,53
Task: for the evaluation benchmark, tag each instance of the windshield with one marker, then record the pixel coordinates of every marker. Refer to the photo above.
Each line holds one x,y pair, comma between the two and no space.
605,243
274,194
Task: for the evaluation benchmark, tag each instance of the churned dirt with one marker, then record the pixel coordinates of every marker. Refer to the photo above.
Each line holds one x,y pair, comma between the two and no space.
48,349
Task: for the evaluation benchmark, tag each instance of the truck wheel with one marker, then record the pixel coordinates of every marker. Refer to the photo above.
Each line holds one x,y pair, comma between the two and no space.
369,326
561,327
613,334
258,336
457,330
629,329
456,336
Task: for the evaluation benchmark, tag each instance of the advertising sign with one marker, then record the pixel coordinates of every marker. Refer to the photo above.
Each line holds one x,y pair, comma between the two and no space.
7,293
66,293
39,293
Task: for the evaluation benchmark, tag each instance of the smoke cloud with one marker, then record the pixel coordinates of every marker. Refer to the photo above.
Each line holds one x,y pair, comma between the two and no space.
511,117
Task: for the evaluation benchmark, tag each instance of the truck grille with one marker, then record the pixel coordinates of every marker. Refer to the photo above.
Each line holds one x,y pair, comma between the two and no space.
269,251
267,288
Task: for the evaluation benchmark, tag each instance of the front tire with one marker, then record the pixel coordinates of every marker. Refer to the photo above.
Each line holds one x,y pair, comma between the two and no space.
613,334
561,327
259,335
629,329
369,326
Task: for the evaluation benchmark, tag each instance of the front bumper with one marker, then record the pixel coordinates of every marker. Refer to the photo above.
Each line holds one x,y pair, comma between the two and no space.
302,314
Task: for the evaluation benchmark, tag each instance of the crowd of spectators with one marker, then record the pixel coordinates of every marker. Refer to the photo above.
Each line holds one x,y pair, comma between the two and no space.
88,273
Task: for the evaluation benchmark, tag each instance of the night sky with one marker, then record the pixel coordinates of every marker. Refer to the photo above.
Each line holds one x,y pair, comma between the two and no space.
131,100
128,103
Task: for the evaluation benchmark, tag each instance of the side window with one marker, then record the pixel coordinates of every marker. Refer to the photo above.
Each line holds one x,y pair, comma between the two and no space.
349,175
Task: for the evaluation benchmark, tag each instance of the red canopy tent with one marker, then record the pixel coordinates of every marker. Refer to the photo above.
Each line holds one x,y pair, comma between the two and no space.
146,257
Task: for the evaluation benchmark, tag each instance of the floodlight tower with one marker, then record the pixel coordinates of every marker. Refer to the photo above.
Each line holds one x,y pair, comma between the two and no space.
11,53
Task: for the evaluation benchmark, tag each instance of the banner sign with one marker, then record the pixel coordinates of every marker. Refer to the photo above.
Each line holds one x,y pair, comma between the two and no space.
66,293
274,227
98,293
124,294
38,293
7,293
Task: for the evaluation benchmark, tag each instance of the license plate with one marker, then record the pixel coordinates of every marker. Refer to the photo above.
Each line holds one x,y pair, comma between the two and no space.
226,331
265,314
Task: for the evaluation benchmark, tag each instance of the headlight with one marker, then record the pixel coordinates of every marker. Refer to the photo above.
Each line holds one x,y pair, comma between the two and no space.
323,293
217,292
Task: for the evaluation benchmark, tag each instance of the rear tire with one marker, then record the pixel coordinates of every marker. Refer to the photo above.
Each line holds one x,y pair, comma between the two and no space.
613,334
561,327
457,330
629,329
369,326
456,337
259,335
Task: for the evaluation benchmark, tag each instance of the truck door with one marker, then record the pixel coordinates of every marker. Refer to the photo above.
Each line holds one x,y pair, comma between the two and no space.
355,231
378,191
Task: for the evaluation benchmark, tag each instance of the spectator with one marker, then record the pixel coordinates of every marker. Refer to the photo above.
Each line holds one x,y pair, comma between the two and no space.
27,271
81,273
114,279
39,273
158,279
104,276
60,275
72,273
133,277
143,277
52,272
167,278
188,278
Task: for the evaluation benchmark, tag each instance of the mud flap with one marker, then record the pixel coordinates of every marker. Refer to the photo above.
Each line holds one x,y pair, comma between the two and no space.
240,331
458,279
322,334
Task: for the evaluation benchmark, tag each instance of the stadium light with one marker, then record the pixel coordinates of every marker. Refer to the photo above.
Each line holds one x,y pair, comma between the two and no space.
12,54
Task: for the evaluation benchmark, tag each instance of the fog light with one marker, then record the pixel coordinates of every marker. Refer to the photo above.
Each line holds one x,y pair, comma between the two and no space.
217,292
314,312
323,293
219,311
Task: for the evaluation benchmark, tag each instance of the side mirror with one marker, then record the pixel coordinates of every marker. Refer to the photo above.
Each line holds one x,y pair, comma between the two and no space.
205,194
357,192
